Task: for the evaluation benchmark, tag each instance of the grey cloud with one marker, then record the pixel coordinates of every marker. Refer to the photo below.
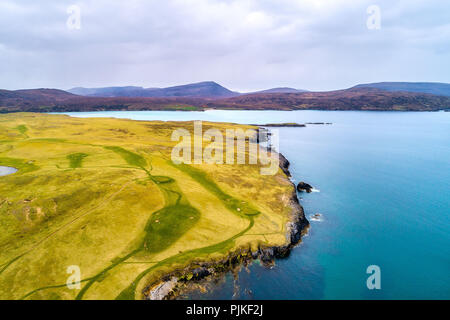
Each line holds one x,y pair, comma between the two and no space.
243,44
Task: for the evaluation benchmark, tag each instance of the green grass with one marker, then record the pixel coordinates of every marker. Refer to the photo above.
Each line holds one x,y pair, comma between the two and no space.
123,206
22,165
76,159
164,227
235,205
133,159
168,225
182,108
22,129
129,293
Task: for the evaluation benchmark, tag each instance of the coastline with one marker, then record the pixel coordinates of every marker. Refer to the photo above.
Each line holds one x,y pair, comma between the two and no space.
183,280
223,234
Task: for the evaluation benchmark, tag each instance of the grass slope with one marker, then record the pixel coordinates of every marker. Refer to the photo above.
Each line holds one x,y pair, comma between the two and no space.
106,197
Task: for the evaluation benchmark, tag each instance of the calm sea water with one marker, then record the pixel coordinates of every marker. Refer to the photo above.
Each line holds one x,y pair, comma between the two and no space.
384,181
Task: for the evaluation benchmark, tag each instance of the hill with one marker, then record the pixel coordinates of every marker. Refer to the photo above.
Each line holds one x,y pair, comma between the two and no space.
52,100
281,90
441,89
33,95
129,91
350,99
207,89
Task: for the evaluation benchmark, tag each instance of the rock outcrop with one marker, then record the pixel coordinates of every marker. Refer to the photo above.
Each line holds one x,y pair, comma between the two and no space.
162,290
284,165
303,186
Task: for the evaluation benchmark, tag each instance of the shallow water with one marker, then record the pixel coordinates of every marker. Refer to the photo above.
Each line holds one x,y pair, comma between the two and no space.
4,171
384,181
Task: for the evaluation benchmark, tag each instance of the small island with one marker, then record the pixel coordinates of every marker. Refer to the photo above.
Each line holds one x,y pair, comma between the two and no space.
291,124
287,124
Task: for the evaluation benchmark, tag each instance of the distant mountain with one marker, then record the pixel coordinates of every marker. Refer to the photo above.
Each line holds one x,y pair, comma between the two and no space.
441,89
362,98
207,89
53,100
282,90
32,96
108,91
349,99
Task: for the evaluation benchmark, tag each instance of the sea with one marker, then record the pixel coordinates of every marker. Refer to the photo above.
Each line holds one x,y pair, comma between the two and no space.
382,182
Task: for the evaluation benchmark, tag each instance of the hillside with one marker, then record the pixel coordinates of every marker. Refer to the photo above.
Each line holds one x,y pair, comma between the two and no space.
51,100
207,89
350,99
281,90
104,195
441,89
33,95
61,101
130,91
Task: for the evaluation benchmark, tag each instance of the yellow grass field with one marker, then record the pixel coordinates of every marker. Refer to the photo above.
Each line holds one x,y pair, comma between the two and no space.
104,195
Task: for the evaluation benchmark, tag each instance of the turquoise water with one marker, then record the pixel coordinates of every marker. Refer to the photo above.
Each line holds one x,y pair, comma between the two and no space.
384,181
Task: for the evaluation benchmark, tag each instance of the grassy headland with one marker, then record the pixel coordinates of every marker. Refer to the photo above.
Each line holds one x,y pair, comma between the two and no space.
103,194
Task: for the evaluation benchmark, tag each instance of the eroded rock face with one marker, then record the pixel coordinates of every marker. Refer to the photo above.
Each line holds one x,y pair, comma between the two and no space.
303,186
162,290
284,165
200,273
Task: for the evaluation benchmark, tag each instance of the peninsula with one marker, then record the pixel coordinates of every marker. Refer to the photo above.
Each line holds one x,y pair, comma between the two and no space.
103,197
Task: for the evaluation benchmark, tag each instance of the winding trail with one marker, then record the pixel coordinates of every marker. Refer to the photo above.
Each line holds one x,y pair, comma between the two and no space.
172,197
103,203
130,292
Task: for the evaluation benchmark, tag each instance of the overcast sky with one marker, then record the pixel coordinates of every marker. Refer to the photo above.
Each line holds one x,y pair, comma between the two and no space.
244,44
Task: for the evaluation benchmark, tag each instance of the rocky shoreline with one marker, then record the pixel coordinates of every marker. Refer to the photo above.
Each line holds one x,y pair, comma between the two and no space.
182,280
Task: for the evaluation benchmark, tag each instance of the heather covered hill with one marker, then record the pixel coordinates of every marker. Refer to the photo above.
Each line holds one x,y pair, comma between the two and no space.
52,100
33,95
350,99
440,89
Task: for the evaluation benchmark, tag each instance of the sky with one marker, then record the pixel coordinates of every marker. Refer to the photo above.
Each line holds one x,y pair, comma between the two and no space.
244,45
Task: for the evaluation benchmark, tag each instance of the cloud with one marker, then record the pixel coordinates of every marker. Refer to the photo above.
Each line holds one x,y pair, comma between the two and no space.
243,44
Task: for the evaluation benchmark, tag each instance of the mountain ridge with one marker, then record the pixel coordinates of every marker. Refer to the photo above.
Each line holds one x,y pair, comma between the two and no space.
203,96
205,89
280,90
370,99
437,88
